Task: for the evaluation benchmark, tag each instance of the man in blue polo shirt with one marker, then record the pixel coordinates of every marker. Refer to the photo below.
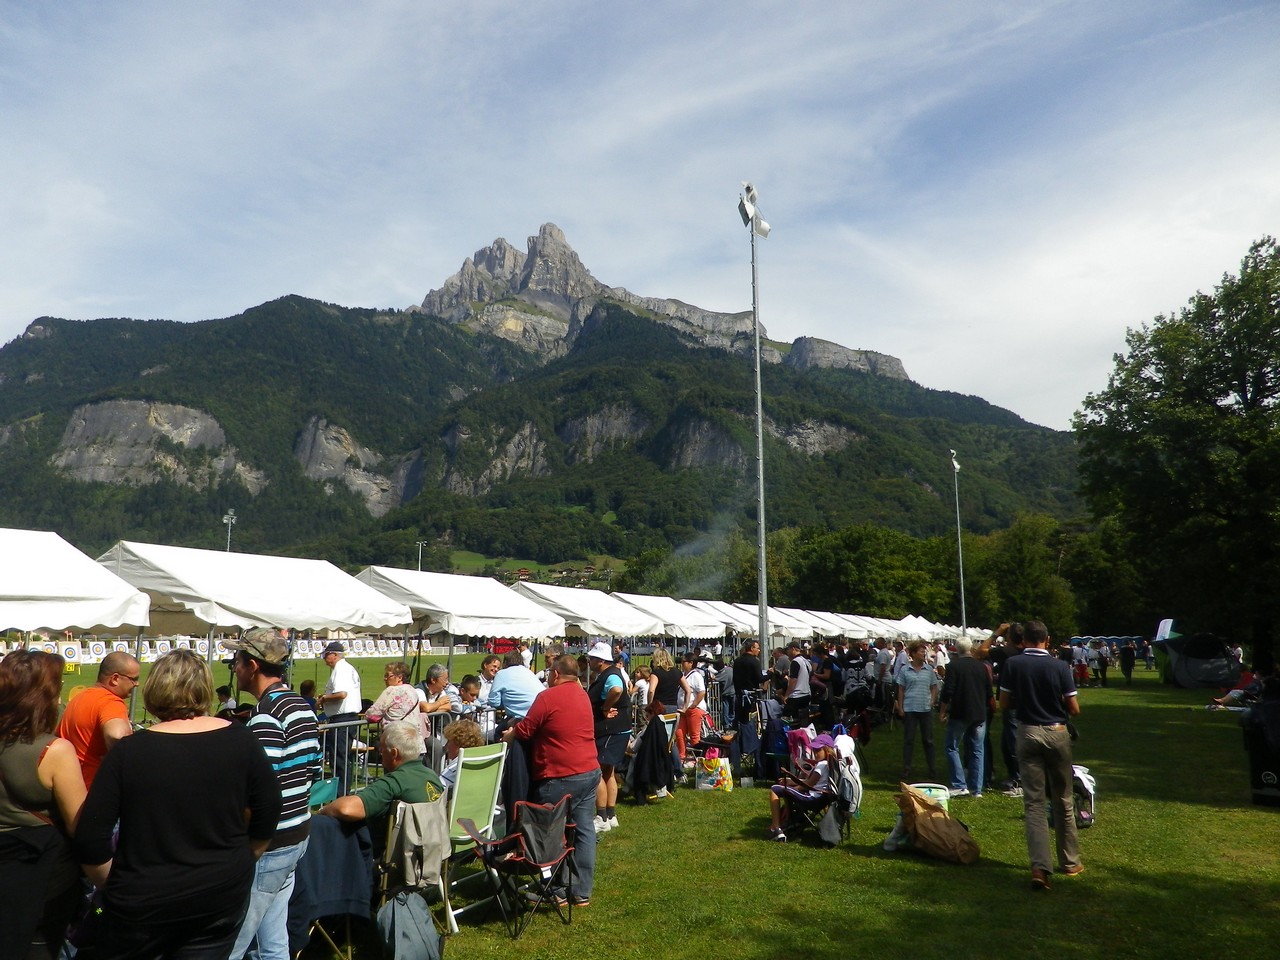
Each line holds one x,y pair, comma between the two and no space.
1040,690
514,688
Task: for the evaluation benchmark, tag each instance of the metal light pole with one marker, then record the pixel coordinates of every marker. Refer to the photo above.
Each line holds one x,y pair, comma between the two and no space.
230,521
421,544
758,227
964,623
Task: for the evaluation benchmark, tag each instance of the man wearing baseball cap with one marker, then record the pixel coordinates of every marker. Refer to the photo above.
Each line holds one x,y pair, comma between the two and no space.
341,705
286,727
612,729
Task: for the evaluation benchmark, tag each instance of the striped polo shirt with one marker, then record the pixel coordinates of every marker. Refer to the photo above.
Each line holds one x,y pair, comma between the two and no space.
285,725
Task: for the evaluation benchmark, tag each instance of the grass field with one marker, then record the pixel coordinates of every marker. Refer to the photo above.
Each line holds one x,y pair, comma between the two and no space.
1179,864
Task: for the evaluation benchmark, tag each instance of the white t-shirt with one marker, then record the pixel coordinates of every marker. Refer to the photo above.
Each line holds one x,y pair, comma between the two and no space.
822,768
696,686
343,678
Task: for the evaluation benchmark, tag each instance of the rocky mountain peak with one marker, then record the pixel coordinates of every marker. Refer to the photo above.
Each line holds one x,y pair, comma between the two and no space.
553,276
539,300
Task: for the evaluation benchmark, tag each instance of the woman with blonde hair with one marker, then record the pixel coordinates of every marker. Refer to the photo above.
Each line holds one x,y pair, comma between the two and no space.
667,687
41,793
197,802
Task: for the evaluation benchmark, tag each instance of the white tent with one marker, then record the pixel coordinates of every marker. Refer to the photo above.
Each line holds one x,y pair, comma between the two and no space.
876,627
679,620
821,626
743,625
592,613
46,583
464,606
849,627
780,625
217,589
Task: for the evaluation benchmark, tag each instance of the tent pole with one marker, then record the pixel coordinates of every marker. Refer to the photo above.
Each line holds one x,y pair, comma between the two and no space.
133,694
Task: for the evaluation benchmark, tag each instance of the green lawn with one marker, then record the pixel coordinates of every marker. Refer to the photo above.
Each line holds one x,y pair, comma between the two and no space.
1179,864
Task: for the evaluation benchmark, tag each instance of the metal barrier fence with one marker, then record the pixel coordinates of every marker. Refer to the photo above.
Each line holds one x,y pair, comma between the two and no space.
350,747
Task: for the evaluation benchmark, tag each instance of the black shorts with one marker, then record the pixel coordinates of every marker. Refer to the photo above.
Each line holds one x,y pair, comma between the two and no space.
611,749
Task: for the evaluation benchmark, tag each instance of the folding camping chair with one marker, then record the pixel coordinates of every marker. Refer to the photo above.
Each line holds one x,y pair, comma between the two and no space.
417,846
539,847
475,799
323,791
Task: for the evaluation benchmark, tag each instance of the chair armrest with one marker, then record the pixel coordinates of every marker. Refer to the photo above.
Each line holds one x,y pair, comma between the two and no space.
471,830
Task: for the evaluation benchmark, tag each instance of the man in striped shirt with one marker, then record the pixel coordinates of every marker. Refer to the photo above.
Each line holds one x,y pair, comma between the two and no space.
286,727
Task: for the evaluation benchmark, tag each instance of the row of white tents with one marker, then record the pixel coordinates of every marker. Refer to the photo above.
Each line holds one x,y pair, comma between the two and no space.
48,585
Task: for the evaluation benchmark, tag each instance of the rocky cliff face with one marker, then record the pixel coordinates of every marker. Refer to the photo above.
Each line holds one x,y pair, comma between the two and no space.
809,352
813,437
136,442
524,453
329,453
603,430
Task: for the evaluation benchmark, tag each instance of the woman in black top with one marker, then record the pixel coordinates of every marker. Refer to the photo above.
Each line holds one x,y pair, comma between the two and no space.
665,683
180,875
41,793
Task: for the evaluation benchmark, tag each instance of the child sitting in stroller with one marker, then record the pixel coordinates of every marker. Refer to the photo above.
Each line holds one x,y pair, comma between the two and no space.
792,793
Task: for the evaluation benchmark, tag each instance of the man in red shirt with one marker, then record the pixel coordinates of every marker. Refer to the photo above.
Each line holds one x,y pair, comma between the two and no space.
559,734
97,717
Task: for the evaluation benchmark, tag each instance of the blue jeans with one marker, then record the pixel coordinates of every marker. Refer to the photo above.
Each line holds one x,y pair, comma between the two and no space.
971,738
581,788
268,915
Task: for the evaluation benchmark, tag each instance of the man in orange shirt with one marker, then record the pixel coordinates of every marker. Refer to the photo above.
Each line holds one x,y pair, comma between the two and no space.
97,717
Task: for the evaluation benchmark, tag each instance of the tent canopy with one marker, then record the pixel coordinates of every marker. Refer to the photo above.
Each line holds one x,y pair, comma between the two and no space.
591,613
780,624
189,588
849,628
680,620
821,626
743,624
464,606
46,583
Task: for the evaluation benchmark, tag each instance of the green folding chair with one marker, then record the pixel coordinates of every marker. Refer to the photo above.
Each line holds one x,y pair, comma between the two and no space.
475,799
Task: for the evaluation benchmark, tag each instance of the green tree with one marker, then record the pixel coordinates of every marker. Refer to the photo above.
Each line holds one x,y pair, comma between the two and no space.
1182,448
1022,564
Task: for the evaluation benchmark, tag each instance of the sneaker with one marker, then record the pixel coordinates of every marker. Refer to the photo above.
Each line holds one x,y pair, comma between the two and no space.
1014,791
780,837
601,825
662,792
613,823
976,796
580,902
773,832
1073,871
959,791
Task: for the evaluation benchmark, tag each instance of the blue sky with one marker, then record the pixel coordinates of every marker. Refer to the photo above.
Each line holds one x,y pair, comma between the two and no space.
990,192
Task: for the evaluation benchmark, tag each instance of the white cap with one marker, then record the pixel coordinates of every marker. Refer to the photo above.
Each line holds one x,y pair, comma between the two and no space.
601,651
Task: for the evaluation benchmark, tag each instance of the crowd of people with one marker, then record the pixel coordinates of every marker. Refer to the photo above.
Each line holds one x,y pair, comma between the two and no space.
188,832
